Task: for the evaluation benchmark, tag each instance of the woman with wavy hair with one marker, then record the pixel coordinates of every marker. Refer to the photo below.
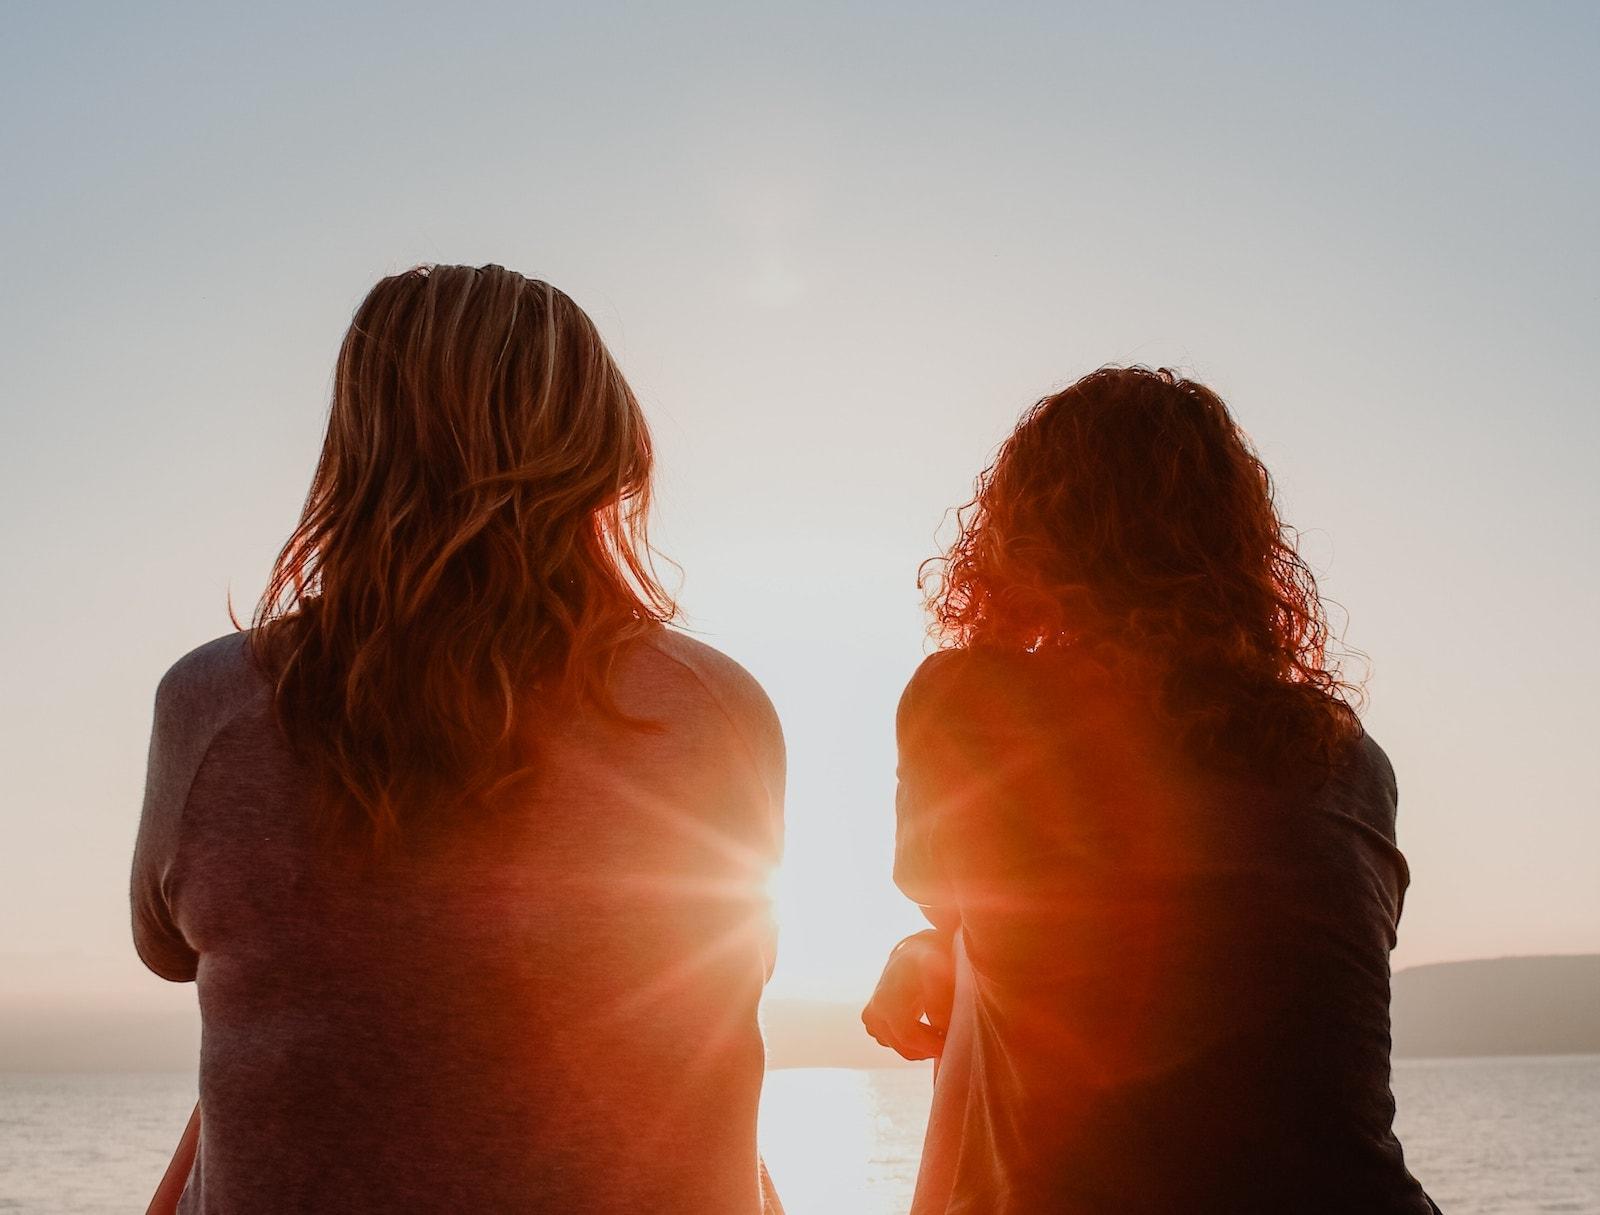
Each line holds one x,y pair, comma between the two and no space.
1154,841
463,847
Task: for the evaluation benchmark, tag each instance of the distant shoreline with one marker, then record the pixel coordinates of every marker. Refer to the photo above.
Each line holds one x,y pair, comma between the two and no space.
1532,1007
891,1066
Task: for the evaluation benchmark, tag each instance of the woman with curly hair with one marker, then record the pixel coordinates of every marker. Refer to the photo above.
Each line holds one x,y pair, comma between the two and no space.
1155,843
463,847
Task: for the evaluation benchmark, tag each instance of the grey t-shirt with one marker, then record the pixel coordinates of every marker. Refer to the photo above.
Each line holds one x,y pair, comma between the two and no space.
549,1009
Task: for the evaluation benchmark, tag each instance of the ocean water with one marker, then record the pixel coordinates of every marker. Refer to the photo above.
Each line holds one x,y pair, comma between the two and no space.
1487,1137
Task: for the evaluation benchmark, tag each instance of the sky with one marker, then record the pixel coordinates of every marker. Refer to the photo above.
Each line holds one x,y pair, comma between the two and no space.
837,249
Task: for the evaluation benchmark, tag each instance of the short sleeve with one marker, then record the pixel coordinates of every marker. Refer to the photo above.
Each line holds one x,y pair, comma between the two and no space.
1379,809
747,703
748,707
744,703
197,697
757,737
916,865
918,868
156,936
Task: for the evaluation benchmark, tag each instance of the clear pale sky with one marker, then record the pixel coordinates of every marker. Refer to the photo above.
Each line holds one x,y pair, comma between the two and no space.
837,249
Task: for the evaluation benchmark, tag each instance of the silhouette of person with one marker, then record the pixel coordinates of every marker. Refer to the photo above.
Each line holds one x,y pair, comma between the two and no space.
1154,842
464,848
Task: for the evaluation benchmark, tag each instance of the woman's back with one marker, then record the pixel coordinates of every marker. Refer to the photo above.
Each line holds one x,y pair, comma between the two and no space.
1175,992
550,1008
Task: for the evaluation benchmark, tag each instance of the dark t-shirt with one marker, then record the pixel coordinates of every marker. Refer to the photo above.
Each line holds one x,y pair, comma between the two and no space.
551,1009
1173,988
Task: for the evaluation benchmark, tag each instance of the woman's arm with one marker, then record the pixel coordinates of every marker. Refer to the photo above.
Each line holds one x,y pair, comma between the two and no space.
909,1011
170,1190
910,1008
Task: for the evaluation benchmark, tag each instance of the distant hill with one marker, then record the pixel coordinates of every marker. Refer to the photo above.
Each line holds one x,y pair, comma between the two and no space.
1500,1006
1497,1006
98,1036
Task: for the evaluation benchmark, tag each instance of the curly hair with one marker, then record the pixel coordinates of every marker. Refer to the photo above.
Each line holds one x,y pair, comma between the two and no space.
472,549
1129,516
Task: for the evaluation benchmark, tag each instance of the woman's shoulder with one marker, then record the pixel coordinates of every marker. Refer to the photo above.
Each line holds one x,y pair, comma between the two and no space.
952,691
202,694
734,689
974,674
967,693
934,678
949,667
221,670
1367,766
726,690
704,662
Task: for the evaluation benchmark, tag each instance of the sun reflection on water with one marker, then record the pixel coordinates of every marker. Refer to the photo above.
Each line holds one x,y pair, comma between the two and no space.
844,1142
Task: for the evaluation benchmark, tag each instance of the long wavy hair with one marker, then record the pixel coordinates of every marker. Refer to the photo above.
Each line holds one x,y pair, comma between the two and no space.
472,551
1128,516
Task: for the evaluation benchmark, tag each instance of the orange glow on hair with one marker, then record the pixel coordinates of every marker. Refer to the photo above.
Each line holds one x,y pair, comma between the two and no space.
472,549
1128,515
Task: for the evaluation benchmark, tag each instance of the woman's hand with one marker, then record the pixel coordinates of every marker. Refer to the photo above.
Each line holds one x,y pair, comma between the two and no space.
910,1009
170,1190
